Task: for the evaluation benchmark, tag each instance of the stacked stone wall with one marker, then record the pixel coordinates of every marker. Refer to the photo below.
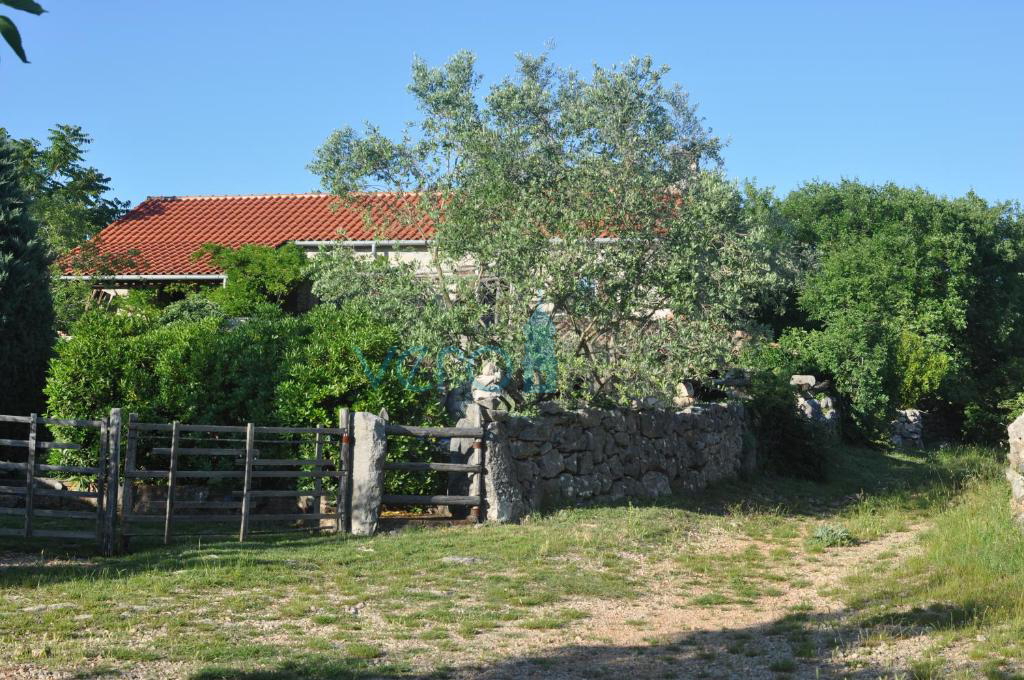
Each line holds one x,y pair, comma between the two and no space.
562,457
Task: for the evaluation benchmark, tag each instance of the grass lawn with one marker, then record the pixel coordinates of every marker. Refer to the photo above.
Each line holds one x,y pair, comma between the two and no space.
655,589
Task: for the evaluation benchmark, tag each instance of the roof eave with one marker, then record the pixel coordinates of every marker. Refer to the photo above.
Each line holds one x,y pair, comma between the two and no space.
144,277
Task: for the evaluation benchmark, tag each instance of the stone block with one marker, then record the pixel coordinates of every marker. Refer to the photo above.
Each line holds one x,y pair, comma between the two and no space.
656,484
551,463
539,431
502,486
803,382
368,454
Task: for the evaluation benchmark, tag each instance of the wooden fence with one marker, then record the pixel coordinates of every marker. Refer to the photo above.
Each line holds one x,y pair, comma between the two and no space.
93,514
474,467
178,479
252,476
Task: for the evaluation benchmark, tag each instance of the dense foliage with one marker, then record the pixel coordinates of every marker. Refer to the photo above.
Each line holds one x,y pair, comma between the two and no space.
259,278
68,198
915,300
26,310
70,201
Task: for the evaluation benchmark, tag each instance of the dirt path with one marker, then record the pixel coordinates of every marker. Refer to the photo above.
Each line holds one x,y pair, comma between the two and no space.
797,629
800,633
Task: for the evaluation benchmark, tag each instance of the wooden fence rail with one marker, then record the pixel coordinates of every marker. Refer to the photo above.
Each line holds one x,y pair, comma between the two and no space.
187,476
476,467
290,464
35,489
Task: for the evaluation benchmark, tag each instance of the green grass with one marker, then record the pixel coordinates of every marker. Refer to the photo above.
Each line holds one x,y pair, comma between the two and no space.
782,666
308,606
966,582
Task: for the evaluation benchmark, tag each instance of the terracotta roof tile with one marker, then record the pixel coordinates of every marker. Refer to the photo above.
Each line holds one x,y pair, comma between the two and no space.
166,230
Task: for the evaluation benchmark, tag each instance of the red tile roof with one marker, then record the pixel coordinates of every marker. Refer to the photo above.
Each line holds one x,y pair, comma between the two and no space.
166,230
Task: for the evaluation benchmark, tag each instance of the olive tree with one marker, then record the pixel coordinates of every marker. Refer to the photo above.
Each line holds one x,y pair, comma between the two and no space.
597,200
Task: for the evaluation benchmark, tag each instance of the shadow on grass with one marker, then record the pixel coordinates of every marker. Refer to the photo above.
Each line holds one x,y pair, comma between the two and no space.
794,645
38,561
854,473
937,616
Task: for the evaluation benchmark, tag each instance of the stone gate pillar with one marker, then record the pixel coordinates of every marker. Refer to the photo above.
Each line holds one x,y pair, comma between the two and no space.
368,454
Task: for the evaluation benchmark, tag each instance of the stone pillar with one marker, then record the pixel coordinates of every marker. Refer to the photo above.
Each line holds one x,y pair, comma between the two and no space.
369,450
505,501
1015,473
908,429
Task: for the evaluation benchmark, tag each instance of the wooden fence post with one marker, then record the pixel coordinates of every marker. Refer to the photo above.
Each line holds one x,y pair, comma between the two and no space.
250,440
172,474
103,463
128,493
318,480
113,476
30,473
344,470
481,509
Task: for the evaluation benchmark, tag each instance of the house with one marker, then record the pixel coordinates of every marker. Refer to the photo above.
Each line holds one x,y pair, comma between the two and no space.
160,235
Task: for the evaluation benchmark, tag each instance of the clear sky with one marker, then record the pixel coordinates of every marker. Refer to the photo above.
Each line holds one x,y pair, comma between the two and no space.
233,96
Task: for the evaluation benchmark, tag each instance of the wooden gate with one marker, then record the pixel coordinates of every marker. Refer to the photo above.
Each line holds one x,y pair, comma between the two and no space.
474,467
34,489
253,477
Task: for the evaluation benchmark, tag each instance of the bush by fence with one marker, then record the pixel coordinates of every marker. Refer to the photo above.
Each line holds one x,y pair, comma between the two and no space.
274,369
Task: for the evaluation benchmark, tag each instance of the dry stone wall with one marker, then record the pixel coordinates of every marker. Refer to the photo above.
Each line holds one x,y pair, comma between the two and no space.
564,457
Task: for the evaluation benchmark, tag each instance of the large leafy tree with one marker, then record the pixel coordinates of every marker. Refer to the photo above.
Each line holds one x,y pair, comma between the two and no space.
70,202
585,196
916,300
69,199
26,312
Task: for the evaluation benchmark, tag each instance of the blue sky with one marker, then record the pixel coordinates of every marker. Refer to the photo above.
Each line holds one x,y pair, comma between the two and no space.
233,96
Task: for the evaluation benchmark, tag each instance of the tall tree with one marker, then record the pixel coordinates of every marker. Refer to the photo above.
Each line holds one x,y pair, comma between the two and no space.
69,200
585,196
917,299
26,310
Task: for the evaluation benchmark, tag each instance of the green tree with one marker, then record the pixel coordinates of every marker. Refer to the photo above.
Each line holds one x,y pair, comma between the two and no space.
26,311
585,195
10,32
916,299
69,200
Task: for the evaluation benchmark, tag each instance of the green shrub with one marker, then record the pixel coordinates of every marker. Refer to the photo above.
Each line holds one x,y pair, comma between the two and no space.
832,536
915,300
192,308
325,373
259,278
104,364
1014,408
270,370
